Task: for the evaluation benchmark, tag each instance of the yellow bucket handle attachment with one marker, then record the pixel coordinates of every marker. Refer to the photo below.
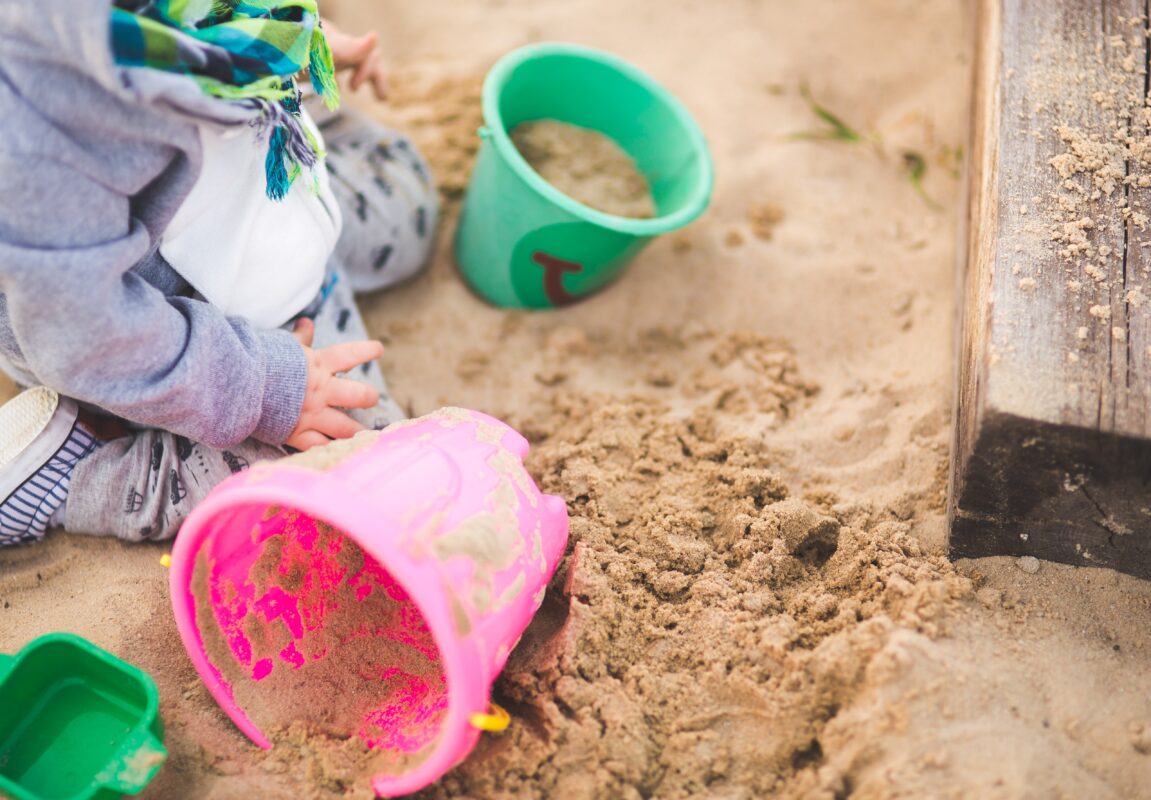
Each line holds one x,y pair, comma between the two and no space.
494,722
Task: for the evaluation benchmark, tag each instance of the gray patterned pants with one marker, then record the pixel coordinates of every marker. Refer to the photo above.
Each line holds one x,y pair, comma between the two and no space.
143,485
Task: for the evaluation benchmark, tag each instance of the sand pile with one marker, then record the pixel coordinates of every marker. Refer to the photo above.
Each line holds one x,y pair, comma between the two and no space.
707,625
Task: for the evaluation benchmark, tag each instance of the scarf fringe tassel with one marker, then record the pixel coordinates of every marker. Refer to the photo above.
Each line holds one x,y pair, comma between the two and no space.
321,69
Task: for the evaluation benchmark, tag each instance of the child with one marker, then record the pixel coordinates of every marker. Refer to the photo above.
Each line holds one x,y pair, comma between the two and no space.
179,245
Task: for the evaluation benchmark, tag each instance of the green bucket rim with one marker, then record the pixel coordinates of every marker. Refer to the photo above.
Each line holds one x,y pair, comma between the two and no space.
654,226
150,724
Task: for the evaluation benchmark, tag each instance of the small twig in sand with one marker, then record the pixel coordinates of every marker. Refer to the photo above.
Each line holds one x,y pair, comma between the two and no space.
916,167
914,164
838,129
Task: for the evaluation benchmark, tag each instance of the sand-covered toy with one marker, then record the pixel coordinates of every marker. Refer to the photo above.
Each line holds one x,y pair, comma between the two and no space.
76,722
607,159
365,595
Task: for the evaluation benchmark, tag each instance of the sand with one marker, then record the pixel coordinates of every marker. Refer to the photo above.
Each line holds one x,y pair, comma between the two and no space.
586,166
752,432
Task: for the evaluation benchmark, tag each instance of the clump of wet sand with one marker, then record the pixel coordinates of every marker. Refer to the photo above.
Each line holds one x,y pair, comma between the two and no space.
707,624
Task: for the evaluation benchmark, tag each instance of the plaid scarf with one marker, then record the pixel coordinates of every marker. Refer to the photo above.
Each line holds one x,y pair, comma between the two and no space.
242,51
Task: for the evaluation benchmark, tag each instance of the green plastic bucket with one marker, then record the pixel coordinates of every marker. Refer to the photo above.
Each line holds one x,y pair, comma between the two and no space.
76,723
521,242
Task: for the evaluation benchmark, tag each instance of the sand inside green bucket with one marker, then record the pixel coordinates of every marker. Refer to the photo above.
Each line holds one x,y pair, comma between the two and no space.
586,166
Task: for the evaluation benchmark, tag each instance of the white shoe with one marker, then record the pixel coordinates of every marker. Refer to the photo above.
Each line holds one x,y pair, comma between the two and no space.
40,444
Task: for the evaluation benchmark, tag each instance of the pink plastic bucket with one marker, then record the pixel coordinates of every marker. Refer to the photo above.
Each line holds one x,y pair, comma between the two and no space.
376,597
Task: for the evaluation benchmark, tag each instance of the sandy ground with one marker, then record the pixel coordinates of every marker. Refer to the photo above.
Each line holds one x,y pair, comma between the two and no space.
751,429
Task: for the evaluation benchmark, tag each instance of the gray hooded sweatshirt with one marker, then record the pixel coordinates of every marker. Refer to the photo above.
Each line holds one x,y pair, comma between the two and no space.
95,159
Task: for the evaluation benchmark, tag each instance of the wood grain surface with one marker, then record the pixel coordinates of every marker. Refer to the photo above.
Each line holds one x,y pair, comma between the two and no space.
1051,454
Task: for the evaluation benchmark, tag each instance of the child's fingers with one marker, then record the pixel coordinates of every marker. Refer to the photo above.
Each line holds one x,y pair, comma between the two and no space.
366,69
345,393
335,424
305,440
304,331
355,51
381,86
347,355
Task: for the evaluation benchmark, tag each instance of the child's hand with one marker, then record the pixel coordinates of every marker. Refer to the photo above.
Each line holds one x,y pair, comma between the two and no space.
321,419
360,53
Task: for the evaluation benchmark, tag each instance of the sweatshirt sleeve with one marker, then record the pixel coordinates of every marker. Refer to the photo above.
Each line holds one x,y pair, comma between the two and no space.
93,330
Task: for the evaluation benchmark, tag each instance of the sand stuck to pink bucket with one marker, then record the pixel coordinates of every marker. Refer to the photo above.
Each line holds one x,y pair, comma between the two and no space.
365,595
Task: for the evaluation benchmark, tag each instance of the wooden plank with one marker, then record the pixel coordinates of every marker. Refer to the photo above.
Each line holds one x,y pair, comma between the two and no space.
1052,449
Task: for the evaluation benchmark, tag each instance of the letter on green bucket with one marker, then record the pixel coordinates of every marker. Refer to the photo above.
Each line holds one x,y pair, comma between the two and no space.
558,264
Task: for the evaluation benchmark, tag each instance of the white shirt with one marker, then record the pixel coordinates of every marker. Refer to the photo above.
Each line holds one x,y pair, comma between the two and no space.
247,254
